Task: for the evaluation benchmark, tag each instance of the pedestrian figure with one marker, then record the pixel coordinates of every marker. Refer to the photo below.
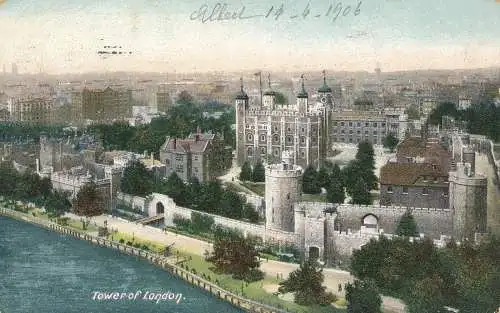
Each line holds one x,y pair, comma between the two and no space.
340,287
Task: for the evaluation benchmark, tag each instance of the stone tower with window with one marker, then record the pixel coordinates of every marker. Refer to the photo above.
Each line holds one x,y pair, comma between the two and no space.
283,190
266,129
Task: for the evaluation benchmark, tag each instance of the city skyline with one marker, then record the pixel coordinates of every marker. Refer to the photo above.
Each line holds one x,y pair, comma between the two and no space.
57,37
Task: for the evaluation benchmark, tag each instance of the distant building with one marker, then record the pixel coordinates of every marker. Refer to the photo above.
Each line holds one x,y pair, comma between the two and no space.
163,101
101,105
31,109
199,155
464,102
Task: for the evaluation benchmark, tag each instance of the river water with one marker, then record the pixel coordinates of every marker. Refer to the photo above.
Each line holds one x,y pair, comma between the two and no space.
45,272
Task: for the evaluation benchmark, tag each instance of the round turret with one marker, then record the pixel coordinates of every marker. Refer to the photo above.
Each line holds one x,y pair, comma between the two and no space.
325,88
283,190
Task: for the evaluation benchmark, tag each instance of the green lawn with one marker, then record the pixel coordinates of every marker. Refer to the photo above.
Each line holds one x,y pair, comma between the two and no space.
258,188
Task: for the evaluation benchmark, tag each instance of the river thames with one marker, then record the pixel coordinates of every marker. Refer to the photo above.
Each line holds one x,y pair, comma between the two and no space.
45,272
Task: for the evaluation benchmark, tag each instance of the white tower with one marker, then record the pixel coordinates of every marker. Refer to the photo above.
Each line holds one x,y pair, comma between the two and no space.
283,190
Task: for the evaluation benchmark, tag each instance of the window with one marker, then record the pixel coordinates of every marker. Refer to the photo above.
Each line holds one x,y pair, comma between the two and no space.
374,124
303,139
288,196
383,124
350,132
276,139
335,123
358,124
276,152
195,169
358,132
179,168
445,193
302,154
405,190
289,139
350,124
374,132
303,130
262,137
342,131
275,128
179,157
195,158
350,140
367,124
425,191
341,123
262,150
389,189
313,139
250,137
250,151
288,129
366,132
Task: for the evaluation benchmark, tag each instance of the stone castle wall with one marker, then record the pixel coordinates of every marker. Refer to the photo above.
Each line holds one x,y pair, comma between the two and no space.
268,235
432,222
133,201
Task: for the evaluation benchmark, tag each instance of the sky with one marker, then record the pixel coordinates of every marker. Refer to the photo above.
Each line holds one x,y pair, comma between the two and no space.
61,36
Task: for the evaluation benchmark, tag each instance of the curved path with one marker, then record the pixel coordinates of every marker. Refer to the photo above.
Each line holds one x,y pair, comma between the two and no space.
195,246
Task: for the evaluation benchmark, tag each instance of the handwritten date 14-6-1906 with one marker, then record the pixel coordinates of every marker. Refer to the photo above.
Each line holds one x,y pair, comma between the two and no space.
221,11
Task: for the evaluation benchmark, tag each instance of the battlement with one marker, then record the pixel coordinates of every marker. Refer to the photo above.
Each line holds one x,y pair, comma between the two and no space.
259,112
277,172
346,208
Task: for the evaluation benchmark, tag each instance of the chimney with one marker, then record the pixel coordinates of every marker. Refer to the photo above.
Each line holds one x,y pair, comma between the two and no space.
198,132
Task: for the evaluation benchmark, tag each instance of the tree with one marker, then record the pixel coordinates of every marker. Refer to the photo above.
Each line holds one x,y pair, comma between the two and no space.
233,254
306,283
246,172
360,193
407,226
88,202
137,179
280,98
310,182
390,142
363,297
259,172
185,97
250,213
427,296
323,177
413,112
56,204
335,192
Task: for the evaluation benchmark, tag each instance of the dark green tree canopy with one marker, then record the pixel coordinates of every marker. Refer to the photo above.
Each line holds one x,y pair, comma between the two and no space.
390,142
310,182
246,172
137,180
259,172
363,297
306,283
89,201
407,226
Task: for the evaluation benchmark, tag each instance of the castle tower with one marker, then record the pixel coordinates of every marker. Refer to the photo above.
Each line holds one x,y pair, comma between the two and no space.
302,98
241,108
325,92
268,99
468,194
283,190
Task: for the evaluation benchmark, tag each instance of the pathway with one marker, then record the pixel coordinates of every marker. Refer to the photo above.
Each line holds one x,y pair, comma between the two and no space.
195,246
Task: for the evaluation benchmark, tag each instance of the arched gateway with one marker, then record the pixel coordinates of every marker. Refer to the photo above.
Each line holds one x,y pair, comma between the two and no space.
160,209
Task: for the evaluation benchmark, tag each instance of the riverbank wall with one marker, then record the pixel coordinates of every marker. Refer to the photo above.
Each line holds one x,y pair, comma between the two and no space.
156,259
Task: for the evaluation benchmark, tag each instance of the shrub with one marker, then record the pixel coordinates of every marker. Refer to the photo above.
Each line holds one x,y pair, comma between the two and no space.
145,247
129,243
137,245
121,240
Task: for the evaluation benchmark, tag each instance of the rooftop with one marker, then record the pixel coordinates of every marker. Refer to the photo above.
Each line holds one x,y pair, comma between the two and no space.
406,174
